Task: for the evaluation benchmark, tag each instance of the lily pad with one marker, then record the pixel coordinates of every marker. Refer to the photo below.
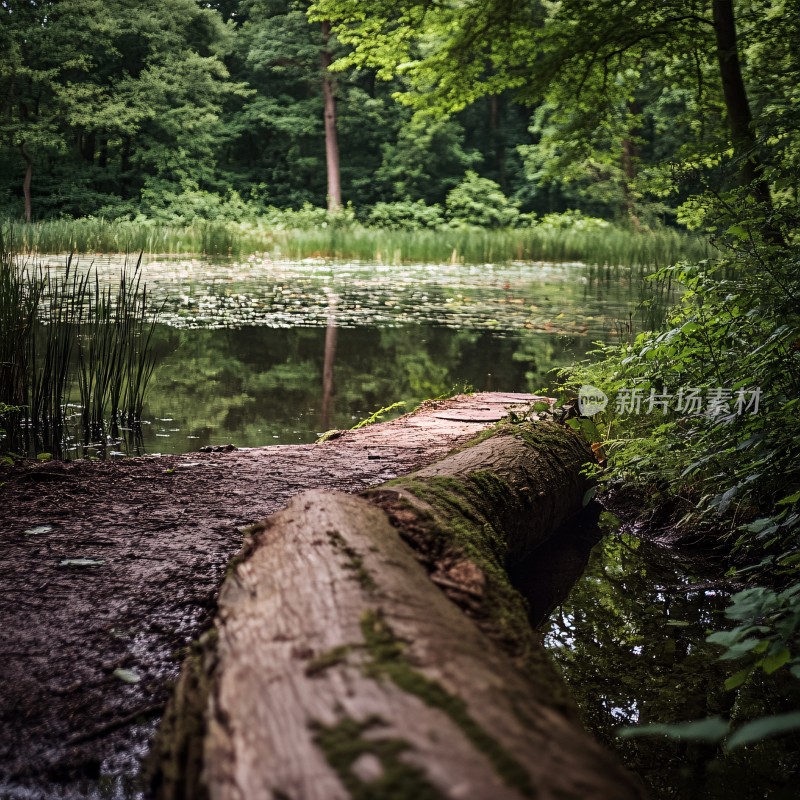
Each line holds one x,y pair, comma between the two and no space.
82,562
126,675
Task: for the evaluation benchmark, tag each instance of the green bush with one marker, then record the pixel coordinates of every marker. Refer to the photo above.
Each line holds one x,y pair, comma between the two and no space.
725,469
480,202
162,202
308,217
573,220
405,215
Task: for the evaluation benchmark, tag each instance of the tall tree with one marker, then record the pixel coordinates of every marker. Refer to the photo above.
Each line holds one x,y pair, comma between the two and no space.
331,134
90,91
590,50
740,118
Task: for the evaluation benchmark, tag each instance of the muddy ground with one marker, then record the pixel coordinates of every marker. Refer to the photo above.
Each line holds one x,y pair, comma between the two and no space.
109,570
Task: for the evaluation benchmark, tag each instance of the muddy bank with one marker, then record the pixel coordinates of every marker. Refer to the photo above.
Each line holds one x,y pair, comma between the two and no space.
110,569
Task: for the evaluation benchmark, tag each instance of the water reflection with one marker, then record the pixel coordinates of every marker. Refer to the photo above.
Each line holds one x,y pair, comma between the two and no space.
260,352
630,640
258,385
568,298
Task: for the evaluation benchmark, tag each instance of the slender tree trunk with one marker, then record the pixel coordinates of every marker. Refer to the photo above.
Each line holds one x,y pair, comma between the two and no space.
740,118
26,182
328,366
331,140
630,153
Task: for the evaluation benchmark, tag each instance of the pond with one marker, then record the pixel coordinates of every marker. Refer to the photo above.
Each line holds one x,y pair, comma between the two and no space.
629,638
244,347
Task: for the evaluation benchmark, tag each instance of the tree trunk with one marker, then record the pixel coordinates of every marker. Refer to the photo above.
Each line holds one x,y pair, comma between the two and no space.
331,140
736,103
26,181
630,152
328,366
337,669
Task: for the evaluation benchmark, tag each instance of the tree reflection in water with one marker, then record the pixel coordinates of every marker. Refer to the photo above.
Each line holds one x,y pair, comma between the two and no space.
630,640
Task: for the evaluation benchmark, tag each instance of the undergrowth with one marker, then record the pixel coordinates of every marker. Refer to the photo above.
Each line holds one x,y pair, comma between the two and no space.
703,417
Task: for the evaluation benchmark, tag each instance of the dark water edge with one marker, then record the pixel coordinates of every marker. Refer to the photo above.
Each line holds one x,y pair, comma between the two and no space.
629,639
258,385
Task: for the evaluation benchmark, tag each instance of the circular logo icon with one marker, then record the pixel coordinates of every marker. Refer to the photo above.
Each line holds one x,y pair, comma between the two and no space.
591,400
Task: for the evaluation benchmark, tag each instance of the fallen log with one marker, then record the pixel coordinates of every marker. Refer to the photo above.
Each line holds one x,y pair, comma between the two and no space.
338,669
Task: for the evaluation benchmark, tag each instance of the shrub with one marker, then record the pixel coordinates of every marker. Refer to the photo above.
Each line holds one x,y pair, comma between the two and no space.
572,219
480,202
405,215
308,217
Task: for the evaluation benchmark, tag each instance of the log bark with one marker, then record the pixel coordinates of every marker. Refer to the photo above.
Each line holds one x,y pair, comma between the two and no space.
338,669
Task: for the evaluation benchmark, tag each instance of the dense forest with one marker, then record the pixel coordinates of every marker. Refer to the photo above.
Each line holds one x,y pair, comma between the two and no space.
222,110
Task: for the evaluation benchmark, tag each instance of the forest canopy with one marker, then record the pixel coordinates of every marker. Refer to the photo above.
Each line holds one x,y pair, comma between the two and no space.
186,110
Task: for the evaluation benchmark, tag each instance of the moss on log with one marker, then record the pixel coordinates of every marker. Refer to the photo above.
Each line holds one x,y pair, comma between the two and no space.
340,670
480,510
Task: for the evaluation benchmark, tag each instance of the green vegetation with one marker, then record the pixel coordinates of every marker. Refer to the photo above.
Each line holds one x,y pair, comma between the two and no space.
378,415
726,469
344,743
548,240
61,332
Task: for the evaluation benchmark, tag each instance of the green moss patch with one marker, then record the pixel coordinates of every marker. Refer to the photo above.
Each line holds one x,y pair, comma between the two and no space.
387,659
327,660
354,560
344,743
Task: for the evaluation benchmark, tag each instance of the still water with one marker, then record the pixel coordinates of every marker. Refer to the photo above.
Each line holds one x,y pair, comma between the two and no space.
629,639
243,347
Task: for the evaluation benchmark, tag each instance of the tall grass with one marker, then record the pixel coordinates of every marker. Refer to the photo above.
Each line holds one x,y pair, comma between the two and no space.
612,245
61,331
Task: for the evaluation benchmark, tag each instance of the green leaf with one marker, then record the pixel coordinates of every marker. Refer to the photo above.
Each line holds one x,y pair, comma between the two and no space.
589,430
763,728
790,500
738,678
713,729
774,661
44,457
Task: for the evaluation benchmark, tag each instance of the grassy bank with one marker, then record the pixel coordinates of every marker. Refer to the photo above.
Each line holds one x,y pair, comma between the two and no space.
609,245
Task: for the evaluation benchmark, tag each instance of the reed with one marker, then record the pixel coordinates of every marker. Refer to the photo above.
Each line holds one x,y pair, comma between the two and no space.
604,246
62,332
